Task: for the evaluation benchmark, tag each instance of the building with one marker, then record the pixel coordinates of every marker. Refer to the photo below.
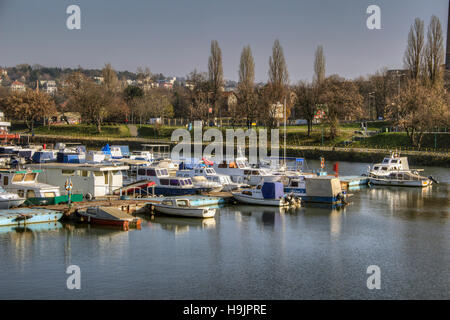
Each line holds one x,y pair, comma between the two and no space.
48,86
230,100
18,86
66,118
3,72
99,80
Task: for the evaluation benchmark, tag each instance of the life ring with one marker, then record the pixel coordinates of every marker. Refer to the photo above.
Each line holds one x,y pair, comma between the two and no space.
88,196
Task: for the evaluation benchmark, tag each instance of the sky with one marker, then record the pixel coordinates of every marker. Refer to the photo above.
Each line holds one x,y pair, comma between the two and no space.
173,36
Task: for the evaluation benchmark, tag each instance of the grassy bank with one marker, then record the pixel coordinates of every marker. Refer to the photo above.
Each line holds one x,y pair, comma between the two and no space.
84,130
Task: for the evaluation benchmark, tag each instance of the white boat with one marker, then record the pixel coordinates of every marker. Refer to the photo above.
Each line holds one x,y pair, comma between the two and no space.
202,182
394,171
9,200
211,175
268,194
182,207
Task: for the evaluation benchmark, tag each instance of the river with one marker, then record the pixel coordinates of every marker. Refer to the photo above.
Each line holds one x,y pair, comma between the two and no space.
247,252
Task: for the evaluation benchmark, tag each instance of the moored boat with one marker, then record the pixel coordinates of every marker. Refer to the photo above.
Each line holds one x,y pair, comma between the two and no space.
182,207
9,199
108,216
22,216
268,194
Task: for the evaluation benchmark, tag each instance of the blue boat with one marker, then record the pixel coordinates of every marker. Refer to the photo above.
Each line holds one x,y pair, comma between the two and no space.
23,216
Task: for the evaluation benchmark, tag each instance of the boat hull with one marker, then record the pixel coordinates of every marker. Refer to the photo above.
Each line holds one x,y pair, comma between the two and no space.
24,216
401,183
7,204
186,212
179,191
264,202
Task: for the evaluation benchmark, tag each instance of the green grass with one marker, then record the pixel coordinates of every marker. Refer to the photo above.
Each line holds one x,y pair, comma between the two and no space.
84,130
401,140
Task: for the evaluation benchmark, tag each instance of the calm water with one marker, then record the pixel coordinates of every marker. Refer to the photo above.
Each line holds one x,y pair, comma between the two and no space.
247,252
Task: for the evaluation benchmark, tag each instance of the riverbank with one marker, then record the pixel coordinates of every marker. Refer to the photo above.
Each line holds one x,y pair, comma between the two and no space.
370,155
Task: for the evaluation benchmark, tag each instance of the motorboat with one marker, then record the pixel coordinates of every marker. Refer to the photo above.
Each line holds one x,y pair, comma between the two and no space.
394,171
108,216
9,200
182,207
211,175
268,194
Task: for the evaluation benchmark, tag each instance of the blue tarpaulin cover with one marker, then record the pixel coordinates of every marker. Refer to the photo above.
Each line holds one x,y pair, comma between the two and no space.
43,156
272,190
106,149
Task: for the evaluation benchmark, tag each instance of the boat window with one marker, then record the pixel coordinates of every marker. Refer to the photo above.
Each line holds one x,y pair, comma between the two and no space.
385,160
174,182
394,161
376,168
5,180
164,182
84,173
255,173
259,187
68,172
20,193
49,194
182,182
246,172
151,172
30,176
183,203
167,202
294,184
98,173
30,194
18,177
141,172
188,181
165,172
105,173
384,168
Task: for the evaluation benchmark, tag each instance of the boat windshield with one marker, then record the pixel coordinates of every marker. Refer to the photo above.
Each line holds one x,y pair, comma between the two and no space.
183,203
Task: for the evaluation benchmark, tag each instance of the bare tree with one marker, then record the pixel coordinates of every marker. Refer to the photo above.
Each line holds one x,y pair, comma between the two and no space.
110,79
215,72
413,58
307,100
319,66
434,52
246,88
278,73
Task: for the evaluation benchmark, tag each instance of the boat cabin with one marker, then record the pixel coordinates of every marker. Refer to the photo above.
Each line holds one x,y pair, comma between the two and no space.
91,180
25,184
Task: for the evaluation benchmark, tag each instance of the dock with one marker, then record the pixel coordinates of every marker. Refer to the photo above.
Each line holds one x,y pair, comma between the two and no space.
349,182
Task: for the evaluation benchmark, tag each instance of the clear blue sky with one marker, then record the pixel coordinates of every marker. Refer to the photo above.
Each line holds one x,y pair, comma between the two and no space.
173,36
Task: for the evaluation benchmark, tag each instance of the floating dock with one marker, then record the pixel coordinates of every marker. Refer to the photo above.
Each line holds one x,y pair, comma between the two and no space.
350,182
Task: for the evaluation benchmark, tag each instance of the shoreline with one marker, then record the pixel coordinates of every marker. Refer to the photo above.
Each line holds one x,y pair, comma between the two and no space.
427,158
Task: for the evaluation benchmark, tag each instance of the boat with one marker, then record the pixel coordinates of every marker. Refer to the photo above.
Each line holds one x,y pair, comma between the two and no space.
89,180
9,200
108,216
206,185
182,207
325,189
25,184
23,216
167,185
211,175
394,171
268,194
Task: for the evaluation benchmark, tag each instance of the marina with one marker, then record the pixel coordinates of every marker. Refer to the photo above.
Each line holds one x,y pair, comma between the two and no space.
246,251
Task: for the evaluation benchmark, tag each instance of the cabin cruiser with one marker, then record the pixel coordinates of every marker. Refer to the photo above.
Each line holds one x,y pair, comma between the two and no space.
168,185
268,194
241,172
211,175
9,199
24,183
394,171
142,155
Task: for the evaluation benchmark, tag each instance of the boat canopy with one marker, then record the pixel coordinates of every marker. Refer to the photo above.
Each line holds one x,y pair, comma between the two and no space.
43,156
272,190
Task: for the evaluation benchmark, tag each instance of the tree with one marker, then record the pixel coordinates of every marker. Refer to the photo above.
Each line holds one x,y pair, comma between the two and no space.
319,66
413,58
307,100
434,52
93,101
30,106
246,95
215,72
110,79
419,108
342,100
278,73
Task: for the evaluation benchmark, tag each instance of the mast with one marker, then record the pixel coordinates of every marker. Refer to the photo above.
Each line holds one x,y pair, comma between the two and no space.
285,119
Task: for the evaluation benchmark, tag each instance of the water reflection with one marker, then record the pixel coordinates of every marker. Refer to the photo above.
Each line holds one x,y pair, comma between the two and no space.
180,225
